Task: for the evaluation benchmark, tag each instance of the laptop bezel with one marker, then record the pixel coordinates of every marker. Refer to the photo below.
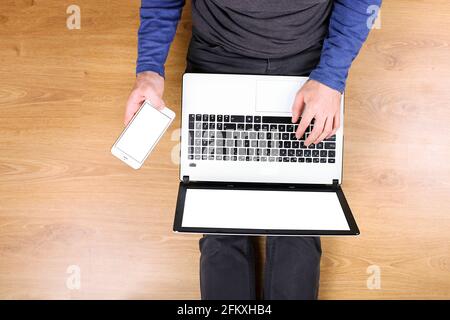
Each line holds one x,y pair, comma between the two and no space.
184,186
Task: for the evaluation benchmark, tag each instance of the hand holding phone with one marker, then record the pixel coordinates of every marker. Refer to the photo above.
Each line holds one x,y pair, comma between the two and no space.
142,134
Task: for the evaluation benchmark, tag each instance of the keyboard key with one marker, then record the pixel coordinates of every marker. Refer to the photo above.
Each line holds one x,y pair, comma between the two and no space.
252,135
249,119
229,126
299,153
219,118
307,153
331,160
237,118
293,159
291,152
257,127
323,160
302,160
273,127
269,135
315,160
315,153
219,126
330,145
212,117
332,138
290,128
198,117
286,144
240,126
205,126
295,144
308,160
323,153
273,119
331,154
282,128
191,157
212,126
257,119
283,152
248,127
205,117
226,118
285,159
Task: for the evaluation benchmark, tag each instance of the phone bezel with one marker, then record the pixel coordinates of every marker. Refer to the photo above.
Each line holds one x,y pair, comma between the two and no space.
126,158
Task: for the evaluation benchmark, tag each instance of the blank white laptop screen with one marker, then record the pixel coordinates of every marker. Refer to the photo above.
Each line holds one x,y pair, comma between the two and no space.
263,209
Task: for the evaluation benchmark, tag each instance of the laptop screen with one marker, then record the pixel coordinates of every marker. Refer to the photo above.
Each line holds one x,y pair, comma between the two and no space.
263,209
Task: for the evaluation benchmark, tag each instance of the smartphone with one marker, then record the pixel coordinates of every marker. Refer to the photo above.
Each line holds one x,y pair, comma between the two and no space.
142,134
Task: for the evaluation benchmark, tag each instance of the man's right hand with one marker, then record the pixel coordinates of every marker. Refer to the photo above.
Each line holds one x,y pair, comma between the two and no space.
149,86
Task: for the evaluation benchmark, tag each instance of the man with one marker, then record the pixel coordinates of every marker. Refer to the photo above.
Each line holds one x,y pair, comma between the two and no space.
315,38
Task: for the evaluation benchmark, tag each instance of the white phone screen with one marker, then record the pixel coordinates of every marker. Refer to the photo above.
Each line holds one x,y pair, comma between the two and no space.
142,134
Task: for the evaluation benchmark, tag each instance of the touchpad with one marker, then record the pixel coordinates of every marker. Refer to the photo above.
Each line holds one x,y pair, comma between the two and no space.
276,95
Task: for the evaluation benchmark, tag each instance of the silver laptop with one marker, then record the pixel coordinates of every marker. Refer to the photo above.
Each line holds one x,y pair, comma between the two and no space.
242,171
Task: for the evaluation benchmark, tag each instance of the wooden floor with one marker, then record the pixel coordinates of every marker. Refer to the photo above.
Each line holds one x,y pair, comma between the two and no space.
64,200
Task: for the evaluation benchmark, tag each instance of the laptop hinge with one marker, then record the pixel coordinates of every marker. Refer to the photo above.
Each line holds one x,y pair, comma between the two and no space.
335,183
185,179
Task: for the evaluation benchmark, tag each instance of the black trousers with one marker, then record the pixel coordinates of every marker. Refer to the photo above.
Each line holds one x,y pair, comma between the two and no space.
227,263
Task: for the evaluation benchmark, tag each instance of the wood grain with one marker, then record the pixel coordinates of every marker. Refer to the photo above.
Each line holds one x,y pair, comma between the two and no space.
64,200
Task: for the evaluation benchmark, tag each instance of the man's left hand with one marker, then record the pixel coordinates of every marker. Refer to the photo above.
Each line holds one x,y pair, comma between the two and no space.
321,103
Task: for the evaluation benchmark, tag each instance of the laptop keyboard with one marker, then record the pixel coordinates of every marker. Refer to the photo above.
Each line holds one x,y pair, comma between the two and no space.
253,138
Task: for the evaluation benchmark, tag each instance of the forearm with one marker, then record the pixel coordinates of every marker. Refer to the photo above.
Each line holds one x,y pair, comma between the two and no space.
348,30
158,24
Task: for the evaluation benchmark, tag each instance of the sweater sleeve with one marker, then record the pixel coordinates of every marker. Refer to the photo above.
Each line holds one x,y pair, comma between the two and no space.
158,24
348,30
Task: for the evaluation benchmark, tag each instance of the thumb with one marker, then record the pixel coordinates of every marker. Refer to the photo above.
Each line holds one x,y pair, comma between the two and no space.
134,102
297,107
